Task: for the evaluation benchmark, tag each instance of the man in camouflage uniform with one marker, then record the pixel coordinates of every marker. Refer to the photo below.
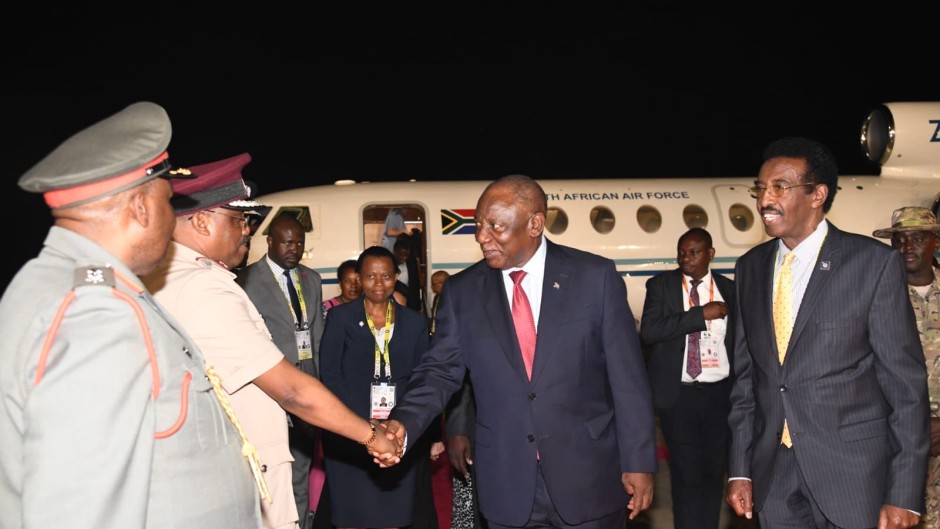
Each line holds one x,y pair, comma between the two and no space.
915,233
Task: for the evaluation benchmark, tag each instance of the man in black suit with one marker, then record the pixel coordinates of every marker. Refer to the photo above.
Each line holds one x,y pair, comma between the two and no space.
566,439
829,409
685,324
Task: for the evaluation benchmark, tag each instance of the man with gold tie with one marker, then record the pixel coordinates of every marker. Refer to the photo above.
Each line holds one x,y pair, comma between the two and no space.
829,402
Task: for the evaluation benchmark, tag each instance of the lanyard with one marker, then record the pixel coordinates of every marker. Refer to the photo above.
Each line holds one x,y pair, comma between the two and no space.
298,318
387,331
711,291
711,296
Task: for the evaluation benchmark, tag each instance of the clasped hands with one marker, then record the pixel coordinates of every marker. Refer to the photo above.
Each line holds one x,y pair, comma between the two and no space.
389,444
386,450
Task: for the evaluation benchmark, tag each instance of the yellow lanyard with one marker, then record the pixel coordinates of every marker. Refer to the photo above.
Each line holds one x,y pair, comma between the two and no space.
387,330
300,318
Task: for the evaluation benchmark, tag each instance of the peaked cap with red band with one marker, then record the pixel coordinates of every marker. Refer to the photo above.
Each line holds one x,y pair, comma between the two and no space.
219,184
112,155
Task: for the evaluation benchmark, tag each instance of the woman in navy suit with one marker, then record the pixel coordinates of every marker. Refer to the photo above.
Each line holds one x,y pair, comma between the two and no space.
367,352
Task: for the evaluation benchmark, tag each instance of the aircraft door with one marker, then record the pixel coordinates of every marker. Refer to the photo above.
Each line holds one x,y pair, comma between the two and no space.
738,218
409,220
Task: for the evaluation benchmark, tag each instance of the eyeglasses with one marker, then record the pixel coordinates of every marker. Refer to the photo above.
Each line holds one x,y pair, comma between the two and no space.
242,221
773,190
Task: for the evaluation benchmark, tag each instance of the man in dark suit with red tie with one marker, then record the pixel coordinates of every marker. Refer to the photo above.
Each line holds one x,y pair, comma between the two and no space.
829,408
685,325
569,440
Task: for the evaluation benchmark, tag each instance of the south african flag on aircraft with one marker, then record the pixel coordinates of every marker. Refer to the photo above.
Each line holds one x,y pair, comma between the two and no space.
457,222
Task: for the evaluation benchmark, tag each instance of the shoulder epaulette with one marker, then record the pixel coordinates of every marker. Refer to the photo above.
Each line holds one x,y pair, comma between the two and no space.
94,275
104,276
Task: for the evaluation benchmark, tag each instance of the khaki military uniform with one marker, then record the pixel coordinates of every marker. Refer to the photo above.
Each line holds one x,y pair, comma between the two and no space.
927,312
96,432
216,312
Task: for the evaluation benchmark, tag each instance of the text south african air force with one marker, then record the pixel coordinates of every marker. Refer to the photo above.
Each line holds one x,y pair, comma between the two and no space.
629,195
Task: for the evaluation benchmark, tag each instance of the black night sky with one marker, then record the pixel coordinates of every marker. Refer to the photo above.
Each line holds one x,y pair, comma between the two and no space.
468,90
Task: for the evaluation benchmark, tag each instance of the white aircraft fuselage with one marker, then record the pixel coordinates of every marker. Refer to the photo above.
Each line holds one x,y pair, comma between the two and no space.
634,221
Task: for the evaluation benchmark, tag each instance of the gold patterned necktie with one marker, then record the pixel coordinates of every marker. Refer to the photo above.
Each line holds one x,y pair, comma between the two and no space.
783,306
783,322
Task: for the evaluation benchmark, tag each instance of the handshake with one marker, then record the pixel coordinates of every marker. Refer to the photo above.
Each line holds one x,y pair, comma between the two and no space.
387,442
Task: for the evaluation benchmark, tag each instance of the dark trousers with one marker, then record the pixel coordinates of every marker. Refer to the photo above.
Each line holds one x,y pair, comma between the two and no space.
544,514
323,517
425,512
789,504
697,435
302,439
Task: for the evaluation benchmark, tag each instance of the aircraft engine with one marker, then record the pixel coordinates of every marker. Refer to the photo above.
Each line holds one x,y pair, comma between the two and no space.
904,138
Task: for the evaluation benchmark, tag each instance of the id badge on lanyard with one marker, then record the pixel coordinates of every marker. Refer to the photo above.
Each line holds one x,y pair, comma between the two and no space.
382,394
304,344
708,348
382,399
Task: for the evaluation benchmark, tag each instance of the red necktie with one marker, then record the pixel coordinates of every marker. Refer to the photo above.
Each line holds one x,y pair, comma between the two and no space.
694,360
523,320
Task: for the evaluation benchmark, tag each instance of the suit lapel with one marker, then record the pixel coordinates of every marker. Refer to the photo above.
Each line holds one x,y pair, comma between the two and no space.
830,255
497,310
763,306
360,326
674,292
726,294
308,294
555,289
275,295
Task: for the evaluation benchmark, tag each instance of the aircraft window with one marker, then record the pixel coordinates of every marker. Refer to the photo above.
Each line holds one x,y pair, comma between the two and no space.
602,219
695,217
649,219
741,217
556,222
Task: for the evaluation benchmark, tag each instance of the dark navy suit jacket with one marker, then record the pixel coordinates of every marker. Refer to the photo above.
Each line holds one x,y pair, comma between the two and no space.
587,410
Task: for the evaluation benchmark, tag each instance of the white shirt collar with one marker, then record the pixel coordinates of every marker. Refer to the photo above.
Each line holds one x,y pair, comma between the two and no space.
706,279
808,249
532,283
276,268
535,267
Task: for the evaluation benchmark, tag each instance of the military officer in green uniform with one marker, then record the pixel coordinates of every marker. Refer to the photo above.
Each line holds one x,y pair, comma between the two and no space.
107,418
